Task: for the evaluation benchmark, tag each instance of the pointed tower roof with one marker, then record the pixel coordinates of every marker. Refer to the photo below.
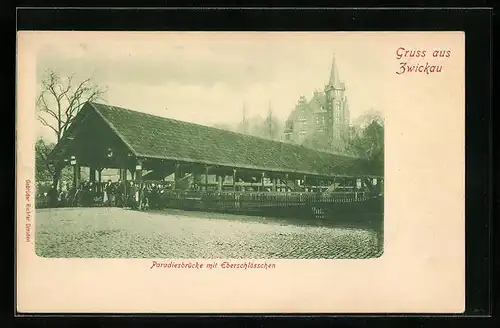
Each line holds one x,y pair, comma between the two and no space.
334,75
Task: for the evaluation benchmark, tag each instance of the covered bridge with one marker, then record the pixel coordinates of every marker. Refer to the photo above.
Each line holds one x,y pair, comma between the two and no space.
104,136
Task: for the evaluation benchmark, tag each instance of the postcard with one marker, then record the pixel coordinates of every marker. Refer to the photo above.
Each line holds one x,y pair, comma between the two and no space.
240,172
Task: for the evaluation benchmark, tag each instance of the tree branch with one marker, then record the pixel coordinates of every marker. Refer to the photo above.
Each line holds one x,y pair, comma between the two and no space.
44,122
76,102
64,94
43,107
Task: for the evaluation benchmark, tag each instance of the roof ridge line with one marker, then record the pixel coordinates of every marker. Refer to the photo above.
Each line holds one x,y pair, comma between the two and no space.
192,123
112,127
211,127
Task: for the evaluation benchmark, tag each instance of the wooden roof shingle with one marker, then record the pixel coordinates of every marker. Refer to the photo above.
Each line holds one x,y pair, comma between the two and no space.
151,136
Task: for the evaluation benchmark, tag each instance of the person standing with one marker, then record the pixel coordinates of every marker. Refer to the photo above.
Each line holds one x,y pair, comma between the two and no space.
137,195
124,193
118,192
107,192
112,194
80,194
132,194
91,193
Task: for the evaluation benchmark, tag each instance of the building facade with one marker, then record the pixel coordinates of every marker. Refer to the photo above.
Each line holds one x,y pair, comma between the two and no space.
323,121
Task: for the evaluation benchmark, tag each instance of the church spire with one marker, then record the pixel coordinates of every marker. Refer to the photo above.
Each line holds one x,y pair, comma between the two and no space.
334,75
244,122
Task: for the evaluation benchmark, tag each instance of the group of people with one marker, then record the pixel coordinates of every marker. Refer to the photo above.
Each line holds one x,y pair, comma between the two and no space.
125,194
130,194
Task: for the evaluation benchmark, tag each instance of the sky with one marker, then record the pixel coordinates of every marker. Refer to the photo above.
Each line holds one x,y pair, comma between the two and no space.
207,77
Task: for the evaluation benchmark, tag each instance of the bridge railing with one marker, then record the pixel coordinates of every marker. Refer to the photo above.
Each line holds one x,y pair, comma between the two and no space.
224,199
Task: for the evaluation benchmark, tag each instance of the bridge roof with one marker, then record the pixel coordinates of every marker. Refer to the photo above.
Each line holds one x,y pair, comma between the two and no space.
155,137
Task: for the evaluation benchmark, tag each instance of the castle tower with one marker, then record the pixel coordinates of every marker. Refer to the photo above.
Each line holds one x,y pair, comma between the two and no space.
334,74
335,106
322,121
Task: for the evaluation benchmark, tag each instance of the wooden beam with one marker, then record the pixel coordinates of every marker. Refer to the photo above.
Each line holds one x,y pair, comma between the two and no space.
234,179
138,170
219,182
99,179
177,176
206,177
92,171
76,172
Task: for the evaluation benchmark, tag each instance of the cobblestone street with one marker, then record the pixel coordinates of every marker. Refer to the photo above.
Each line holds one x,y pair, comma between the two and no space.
119,233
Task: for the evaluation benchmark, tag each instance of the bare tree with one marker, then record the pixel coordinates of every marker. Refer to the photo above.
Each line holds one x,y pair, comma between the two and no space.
61,99
59,102
272,126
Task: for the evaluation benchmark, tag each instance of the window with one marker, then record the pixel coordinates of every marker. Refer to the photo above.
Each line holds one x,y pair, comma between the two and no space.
320,120
303,122
287,136
337,112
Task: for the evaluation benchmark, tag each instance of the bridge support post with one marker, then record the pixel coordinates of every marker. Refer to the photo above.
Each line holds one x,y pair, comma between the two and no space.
92,174
206,177
99,180
355,188
138,178
124,174
138,170
234,179
274,184
219,183
177,176
76,172
262,187
132,173
92,178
